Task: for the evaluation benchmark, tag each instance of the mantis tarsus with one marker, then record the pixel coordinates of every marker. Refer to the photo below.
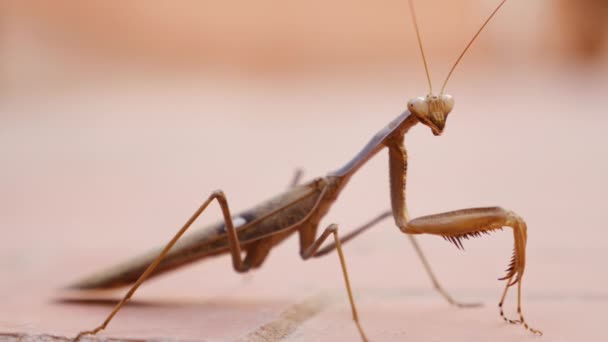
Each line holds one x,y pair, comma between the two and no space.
301,207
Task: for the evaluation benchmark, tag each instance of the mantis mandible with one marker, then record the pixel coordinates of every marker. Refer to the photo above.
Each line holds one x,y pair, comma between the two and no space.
300,209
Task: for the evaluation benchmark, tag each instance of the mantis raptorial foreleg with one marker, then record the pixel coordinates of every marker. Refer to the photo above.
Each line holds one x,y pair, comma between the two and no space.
456,225
311,251
233,242
464,224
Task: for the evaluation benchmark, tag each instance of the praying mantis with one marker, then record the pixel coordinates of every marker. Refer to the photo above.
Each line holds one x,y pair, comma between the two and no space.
256,231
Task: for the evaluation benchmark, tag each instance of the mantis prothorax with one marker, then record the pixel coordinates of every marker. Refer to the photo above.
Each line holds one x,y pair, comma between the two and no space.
299,209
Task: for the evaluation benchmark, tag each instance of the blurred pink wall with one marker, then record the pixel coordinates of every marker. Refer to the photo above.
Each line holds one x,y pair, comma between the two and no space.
50,41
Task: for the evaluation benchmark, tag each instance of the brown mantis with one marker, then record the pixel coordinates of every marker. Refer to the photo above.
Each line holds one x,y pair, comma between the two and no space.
300,209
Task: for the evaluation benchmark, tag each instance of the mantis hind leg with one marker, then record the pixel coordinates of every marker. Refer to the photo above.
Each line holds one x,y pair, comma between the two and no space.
457,225
233,242
314,247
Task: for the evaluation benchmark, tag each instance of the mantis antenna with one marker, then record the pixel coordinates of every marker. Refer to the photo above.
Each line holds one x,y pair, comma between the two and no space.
468,45
426,68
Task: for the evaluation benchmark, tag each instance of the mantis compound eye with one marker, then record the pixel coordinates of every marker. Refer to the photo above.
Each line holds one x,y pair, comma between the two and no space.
419,107
448,103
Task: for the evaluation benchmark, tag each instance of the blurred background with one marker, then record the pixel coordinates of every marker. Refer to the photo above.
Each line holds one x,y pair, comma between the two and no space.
118,117
51,43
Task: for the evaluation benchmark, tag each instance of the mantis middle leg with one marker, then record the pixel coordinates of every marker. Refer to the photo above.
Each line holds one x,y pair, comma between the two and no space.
427,267
312,249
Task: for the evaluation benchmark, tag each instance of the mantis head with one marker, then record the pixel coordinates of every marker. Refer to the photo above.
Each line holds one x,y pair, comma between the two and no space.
432,110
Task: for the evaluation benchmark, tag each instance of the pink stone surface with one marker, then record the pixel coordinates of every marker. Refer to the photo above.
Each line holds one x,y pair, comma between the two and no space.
93,175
